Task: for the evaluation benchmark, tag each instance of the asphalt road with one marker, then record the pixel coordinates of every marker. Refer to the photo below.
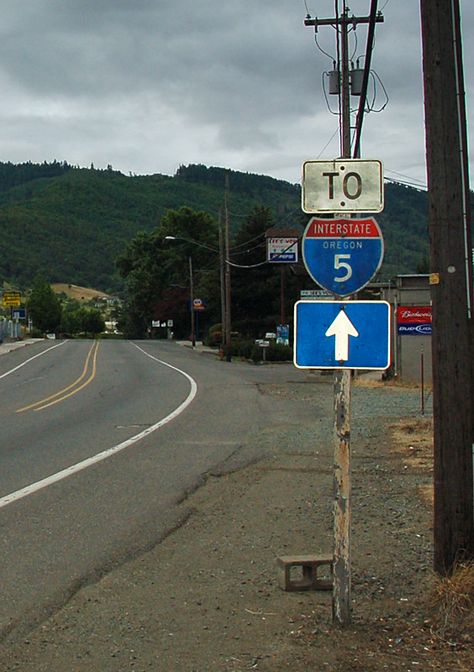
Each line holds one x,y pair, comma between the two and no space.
99,443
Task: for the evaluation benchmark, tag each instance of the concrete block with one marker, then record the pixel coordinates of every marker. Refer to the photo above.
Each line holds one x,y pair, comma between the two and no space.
300,572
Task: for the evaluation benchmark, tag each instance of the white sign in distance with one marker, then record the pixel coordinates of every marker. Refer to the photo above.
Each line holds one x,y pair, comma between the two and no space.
282,250
342,185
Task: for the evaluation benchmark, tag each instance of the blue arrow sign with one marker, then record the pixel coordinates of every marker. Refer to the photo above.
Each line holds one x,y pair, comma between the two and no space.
342,255
342,335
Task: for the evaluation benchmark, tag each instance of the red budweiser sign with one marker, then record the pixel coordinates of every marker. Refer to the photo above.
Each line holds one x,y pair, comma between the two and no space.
414,314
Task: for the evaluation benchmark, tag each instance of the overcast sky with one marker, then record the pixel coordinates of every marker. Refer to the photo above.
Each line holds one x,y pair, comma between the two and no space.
148,85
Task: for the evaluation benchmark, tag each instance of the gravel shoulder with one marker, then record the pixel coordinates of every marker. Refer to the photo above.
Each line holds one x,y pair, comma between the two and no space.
207,597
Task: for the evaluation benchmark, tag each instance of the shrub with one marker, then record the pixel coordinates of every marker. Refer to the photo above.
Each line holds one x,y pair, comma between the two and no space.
275,352
242,348
214,336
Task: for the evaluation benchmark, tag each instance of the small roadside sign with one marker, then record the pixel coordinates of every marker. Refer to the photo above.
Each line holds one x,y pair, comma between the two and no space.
342,185
414,321
11,298
198,305
262,343
315,294
282,250
342,335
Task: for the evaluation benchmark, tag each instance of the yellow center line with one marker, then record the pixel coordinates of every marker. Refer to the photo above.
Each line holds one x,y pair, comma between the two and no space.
42,402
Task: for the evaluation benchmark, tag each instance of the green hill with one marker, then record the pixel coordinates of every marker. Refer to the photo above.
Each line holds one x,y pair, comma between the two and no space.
70,224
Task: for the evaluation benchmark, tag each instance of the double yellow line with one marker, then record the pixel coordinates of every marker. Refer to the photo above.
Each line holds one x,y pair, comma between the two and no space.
71,389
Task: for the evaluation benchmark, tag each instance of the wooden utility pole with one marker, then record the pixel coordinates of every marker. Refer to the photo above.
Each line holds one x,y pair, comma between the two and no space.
282,295
222,280
228,293
191,302
341,604
451,290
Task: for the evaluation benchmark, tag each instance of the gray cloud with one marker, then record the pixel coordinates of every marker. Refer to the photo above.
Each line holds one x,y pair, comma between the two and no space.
148,85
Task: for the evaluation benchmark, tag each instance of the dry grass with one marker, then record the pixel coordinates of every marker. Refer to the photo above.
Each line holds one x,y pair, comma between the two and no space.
374,380
77,292
413,438
452,605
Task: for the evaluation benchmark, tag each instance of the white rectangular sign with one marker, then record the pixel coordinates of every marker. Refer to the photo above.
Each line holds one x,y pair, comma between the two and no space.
342,185
282,250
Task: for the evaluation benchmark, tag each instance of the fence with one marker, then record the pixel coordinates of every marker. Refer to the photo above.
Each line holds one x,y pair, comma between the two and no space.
10,329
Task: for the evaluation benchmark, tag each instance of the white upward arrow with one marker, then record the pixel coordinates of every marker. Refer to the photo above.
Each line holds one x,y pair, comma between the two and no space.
341,328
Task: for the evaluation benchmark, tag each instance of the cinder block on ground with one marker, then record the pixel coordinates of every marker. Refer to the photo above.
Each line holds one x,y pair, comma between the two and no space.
300,572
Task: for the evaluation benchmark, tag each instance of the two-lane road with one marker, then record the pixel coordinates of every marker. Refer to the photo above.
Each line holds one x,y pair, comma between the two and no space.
99,443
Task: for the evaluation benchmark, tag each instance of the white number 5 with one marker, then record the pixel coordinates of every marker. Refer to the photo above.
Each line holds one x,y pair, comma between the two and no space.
342,264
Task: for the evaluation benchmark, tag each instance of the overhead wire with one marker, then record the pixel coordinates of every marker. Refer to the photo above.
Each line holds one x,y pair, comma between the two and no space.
320,48
376,79
329,141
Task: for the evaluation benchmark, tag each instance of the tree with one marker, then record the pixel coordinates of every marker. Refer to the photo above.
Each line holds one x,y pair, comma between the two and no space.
254,290
91,321
77,319
70,319
44,307
153,266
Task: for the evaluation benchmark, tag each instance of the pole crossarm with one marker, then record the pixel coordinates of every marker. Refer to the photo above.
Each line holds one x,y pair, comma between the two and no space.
343,19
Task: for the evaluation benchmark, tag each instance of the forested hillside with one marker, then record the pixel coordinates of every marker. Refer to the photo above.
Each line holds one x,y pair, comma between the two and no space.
71,224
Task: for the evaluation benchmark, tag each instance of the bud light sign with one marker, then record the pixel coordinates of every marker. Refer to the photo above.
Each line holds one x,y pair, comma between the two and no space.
414,321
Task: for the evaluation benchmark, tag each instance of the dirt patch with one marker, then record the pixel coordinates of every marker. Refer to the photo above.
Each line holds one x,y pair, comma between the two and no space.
77,292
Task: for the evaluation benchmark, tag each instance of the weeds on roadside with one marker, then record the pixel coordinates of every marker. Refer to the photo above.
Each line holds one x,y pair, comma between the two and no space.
452,605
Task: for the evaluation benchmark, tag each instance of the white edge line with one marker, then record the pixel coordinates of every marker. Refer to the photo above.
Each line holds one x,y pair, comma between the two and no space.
27,361
79,466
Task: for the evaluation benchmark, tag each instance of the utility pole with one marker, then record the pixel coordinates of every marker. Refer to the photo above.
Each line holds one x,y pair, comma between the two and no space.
282,295
222,280
341,603
228,293
452,283
191,301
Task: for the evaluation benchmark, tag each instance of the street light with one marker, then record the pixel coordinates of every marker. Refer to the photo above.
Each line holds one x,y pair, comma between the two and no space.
225,291
225,300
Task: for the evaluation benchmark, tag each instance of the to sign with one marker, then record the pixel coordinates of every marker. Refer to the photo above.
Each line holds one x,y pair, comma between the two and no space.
344,185
342,255
342,335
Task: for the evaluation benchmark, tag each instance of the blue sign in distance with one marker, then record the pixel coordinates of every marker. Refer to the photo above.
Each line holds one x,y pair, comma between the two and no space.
342,335
342,255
